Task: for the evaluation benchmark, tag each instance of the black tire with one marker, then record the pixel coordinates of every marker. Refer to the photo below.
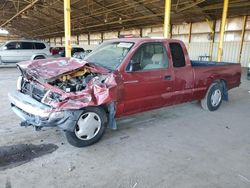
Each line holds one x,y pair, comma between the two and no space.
39,57
72,137
207,103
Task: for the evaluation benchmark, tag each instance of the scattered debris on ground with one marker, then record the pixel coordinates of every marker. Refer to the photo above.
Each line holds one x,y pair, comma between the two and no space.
15,155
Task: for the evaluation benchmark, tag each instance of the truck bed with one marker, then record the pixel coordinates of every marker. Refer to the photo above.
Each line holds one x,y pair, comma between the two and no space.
209,63
207,71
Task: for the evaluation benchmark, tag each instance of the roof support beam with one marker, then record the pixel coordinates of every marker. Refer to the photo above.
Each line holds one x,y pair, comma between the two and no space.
190,6
211,45
167,18
242,36
20,12
189,34
67,28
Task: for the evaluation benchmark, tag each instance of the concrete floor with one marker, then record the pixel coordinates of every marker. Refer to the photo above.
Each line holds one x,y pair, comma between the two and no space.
180,146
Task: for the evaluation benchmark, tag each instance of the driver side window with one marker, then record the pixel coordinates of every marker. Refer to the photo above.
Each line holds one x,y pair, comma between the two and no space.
149,56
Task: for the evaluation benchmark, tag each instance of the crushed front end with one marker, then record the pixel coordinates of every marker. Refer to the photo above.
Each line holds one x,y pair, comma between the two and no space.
54,92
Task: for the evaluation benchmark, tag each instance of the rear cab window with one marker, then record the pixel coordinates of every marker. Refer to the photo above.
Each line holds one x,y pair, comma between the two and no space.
177,54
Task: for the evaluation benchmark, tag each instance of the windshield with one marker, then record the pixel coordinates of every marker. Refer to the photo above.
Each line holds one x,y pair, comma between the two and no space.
109,55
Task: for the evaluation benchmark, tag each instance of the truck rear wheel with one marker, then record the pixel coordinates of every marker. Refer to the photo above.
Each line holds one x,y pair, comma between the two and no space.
213,98
89,128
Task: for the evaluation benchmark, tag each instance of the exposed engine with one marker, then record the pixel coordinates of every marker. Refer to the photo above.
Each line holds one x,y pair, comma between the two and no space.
74,81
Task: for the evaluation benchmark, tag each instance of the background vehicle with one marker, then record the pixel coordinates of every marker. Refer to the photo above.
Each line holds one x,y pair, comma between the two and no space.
81,55
22,50
73,51
119,78
56,50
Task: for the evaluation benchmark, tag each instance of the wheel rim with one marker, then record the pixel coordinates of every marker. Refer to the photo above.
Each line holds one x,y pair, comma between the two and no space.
216,98
88,126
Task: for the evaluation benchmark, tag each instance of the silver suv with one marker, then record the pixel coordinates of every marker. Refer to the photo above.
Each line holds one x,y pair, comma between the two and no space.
22,50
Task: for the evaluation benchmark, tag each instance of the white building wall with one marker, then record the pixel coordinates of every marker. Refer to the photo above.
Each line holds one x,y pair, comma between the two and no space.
245,57
197,49
200,38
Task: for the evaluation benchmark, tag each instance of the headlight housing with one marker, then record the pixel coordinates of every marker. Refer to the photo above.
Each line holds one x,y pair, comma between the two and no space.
19,83
49,98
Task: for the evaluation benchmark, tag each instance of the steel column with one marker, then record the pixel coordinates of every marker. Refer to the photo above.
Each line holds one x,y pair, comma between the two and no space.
189,34
67,28
222,30
242,37
77,40
212,27
167,18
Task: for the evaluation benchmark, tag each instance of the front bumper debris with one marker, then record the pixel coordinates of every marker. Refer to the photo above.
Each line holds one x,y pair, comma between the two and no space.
37,114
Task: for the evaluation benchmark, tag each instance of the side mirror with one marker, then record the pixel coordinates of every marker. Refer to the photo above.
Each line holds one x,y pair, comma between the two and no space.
133,66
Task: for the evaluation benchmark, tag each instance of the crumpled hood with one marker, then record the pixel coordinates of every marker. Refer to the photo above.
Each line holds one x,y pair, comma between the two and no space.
45,69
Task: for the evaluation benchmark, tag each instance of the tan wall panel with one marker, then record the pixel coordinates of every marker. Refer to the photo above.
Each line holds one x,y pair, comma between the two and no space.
157,29
83,37
234,24
183,38
200,27
146,31
58,40
200,37
110,35
132,31
95,36
180,29
245,56
247,36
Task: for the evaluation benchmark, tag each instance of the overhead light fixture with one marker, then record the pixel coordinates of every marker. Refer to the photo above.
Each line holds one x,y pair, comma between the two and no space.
24,16
120,20
3,32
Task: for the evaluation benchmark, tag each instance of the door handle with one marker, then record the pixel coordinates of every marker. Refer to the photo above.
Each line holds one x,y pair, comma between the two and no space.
168,77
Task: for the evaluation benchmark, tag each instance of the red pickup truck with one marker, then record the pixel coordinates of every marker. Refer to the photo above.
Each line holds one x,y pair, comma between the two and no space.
119,78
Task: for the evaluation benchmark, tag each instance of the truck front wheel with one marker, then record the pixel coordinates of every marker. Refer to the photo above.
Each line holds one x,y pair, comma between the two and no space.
89,128
213,98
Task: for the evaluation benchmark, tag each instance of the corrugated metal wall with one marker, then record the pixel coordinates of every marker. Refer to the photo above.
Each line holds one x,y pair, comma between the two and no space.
197,49
245,57
230,51
200,39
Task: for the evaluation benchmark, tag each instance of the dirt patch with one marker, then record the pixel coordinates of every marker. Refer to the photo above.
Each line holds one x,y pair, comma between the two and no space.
15,155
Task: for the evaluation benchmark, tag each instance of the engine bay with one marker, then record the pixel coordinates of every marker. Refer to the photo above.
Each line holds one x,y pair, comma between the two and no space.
74,81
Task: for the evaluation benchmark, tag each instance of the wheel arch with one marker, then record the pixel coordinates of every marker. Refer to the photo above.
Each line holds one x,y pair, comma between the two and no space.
37,55
223,84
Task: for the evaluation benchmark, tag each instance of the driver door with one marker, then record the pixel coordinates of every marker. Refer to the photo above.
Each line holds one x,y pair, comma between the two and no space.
148,84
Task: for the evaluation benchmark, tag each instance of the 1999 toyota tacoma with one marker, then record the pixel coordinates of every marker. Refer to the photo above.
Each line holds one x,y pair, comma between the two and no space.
119,78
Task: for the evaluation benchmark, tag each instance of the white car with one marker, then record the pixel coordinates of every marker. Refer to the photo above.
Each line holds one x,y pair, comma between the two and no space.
22,50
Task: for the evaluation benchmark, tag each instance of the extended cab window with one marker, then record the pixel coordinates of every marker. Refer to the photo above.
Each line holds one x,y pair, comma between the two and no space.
177,55
149,56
